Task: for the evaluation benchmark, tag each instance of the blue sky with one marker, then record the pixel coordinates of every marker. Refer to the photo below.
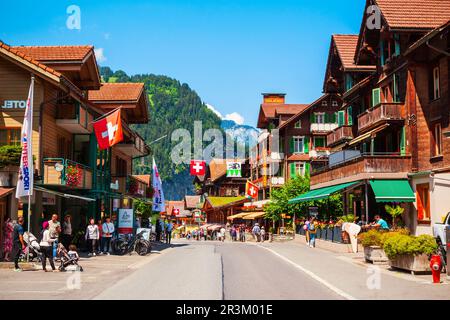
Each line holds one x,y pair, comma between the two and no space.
228,51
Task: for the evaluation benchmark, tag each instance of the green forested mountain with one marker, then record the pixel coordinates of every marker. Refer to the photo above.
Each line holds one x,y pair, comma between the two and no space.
173,105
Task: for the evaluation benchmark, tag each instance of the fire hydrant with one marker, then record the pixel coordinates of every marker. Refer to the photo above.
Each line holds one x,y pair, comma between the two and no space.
436,266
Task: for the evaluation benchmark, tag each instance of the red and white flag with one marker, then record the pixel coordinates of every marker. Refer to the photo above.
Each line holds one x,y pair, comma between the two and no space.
108,130
175,212
251,190
198,168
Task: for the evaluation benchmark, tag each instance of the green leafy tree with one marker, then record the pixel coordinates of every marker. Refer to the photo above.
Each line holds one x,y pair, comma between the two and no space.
328,209
394,212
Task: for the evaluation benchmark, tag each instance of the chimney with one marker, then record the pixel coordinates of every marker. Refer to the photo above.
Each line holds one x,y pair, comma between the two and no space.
275,98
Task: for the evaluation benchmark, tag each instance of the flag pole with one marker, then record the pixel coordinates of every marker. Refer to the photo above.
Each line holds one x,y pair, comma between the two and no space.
31,173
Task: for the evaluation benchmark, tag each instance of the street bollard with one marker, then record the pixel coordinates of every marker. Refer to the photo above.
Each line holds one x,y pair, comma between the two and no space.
436,267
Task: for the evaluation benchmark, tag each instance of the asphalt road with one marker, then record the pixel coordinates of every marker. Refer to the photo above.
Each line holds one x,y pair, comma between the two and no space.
213,270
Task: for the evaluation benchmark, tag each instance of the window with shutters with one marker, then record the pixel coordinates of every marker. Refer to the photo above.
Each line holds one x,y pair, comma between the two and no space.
324,103
319,117
423,202
300,168
298,124
10,136
334,103
299,144
376,99
436,84
319,142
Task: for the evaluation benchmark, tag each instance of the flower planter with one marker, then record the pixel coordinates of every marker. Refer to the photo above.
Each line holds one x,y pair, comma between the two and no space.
324,233
337,236
418,263
375,255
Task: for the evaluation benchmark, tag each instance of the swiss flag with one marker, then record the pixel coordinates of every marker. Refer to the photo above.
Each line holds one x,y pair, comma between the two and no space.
108,130
251,190
175,212
198,168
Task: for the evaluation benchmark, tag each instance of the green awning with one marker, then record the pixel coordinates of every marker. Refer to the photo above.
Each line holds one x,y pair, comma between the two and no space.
321,193
392,191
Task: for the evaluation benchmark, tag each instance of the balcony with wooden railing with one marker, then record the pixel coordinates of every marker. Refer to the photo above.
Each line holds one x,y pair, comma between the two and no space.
129,186
134,146
350,165
339,135
74,118
382,113
66,173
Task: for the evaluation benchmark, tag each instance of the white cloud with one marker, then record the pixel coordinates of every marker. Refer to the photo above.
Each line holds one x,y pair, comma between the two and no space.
99,54
236,117
210,107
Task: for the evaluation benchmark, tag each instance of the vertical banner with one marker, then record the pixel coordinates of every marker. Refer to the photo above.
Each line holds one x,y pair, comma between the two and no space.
125,221
25,179
158,193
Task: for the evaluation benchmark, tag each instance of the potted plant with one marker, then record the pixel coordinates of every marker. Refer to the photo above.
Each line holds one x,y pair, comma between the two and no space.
372,244
394,212
330,231
409,252
349,218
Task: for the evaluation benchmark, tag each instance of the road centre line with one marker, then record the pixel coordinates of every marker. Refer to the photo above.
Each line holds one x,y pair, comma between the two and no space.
311,274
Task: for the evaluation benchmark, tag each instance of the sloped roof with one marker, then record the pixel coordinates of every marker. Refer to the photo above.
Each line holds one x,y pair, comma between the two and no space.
271,110
117,92
191,202
55,53
144,178
224,201
218,167
20,55
430,35
346,46
170,205
414,14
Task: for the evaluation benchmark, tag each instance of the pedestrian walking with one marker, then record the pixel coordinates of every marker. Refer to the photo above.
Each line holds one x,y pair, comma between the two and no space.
99,243
306,228
8,239
263,234
66,235
46,246
222,234
233,233
242,233
163,229
202,234
92,236
312,233
256,231
158,230
169,228
18,243
107,232
53,224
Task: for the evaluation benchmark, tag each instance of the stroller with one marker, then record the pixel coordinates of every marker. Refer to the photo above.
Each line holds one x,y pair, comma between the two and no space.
68,263
32,246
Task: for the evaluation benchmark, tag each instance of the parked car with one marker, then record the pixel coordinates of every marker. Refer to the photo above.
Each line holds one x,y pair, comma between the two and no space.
439,231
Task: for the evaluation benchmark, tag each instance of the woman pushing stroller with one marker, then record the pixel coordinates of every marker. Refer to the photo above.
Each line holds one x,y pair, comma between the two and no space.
46,246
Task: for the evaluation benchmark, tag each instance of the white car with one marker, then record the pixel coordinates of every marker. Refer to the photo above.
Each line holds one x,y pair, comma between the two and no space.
439,232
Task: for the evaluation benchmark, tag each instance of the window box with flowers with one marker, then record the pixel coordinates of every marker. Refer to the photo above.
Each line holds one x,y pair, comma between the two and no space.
74,176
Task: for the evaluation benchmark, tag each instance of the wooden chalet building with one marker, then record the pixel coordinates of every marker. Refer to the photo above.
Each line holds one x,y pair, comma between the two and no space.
390,145
64,143
267,158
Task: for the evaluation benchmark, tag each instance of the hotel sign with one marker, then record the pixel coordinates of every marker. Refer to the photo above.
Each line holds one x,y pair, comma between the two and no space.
14,104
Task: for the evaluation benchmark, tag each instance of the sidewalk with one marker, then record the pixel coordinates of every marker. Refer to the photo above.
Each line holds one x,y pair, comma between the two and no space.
356,279
99,273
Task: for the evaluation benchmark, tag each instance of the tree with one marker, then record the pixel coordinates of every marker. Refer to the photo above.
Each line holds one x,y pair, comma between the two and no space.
329,208
394,212
143,208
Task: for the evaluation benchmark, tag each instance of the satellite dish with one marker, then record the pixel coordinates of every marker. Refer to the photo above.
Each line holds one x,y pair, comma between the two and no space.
59,167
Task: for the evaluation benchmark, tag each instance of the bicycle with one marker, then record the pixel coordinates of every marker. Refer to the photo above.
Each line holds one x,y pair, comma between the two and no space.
136,243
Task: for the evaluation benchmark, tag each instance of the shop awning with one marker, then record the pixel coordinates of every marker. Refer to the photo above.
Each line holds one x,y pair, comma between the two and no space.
368,134
6,191
254,215
321,193
64,195
392,191
238,216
